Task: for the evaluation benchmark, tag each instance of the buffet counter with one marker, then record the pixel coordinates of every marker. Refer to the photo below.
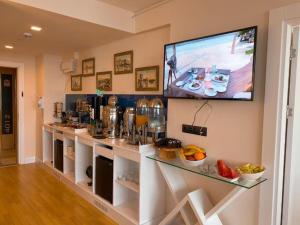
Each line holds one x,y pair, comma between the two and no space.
131,182
133,178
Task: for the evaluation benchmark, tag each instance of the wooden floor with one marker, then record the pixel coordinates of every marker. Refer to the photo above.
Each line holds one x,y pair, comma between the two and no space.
8,157
29,195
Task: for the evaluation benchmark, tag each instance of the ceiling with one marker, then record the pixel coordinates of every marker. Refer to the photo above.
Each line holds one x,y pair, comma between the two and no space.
132,5
60,34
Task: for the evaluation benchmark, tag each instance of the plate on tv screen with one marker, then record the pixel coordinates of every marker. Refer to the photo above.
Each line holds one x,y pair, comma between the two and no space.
223,62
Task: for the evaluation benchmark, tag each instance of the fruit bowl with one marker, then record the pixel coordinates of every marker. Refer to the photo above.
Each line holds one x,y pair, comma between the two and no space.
250,172
226,172
192,155
192,163
252,176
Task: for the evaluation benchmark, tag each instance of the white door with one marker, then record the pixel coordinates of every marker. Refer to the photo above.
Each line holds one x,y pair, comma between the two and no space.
291,193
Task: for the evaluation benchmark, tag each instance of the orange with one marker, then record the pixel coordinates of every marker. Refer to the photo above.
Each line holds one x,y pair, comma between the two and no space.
199,156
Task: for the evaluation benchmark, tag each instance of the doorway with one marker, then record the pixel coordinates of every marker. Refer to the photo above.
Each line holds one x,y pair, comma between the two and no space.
291,184
279,199
8,117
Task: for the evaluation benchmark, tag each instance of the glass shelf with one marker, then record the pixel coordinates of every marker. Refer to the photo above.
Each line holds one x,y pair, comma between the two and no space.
208,169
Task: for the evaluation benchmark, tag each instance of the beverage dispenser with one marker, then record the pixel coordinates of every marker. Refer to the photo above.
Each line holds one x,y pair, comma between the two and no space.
157,118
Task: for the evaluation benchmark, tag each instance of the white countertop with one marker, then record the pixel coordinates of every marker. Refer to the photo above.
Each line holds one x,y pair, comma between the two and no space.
82,133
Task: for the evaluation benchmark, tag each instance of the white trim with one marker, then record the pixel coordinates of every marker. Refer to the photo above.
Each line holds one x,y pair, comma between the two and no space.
280,24
29,160
290,201
20,99
38,160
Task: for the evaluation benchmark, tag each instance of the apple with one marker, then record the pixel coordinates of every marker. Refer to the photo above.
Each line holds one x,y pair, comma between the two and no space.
191,158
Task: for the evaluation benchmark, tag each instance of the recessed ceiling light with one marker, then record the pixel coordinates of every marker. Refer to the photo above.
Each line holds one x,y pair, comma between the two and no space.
27,35
9,46
35,28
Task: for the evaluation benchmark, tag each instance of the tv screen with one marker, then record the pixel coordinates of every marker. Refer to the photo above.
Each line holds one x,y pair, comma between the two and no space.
220,66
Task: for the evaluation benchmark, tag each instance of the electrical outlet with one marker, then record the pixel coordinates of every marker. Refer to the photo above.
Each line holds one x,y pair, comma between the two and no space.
202,131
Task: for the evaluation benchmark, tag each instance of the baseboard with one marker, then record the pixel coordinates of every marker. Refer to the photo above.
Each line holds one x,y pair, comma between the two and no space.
29,160
38,160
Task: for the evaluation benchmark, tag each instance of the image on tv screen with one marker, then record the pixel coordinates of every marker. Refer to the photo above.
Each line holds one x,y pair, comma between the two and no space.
219,66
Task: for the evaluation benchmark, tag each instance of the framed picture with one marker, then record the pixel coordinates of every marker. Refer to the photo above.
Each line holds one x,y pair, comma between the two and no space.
147,78
76,83
88,67
104,81
123,62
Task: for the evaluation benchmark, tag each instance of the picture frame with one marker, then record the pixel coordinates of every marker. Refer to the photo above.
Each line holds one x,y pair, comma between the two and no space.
147,78
88,67
104,80
76,83
123,62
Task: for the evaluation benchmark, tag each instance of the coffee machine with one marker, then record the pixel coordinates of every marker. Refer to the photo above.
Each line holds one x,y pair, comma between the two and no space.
111,117
96,125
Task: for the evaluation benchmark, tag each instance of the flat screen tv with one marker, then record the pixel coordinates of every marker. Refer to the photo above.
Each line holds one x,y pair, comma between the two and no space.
219,66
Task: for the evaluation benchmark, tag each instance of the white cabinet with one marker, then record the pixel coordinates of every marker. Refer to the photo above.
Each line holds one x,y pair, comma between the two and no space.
126,186
83,159
48,146
69,157
138,187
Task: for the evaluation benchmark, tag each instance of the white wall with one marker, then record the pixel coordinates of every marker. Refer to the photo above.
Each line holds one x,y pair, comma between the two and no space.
54,85
147,50
29,99
235,128
51,86
39,113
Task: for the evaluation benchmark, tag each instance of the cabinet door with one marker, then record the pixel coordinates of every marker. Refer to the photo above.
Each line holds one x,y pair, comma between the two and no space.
59,155
104,178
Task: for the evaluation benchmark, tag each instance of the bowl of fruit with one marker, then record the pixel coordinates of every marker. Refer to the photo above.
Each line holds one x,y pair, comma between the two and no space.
226,171
250,171
192,155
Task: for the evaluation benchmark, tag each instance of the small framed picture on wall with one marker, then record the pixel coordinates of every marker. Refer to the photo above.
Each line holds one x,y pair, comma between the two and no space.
88,67
123,62
76,83
104,81
147,78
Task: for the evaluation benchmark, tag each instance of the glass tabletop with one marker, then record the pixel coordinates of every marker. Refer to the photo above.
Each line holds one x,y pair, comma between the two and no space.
208,169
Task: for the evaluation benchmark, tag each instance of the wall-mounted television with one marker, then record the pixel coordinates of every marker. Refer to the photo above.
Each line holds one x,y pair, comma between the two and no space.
219,66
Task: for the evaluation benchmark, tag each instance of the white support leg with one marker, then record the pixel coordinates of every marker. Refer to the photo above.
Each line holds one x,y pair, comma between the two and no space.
179,189
228,199
205,212
200,204
174,212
